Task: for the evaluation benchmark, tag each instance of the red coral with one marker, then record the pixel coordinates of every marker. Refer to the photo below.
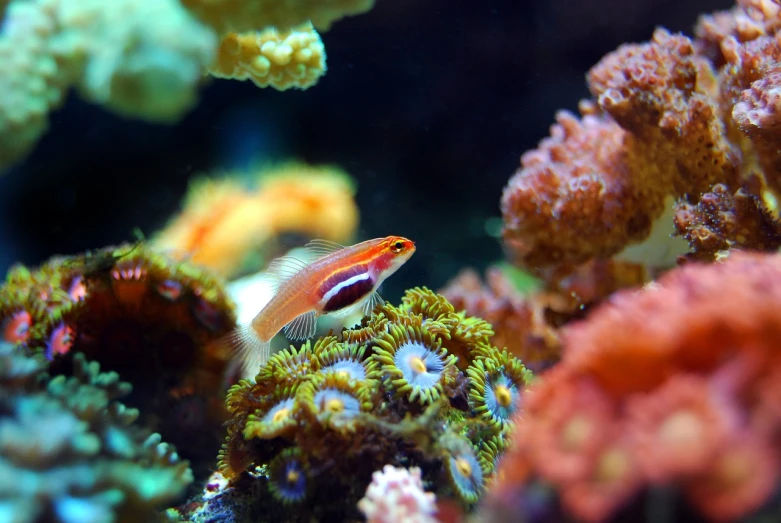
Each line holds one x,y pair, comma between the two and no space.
598,184
688,367
722,221
521,324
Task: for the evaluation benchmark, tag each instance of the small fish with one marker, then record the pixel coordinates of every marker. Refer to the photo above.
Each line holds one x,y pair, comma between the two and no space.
338,281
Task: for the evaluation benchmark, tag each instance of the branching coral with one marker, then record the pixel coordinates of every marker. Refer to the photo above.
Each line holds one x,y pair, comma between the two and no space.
139,58
72,453
294,58
245,15
226,226
599,183
312,437
672,118
146,59
143,315
664,387
722,221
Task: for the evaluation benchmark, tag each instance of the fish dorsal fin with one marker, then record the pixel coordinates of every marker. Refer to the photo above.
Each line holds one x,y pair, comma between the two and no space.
284,268
320,248
302,327
371,302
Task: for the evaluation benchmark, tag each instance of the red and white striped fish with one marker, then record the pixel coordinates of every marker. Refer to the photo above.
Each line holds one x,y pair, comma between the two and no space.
337,281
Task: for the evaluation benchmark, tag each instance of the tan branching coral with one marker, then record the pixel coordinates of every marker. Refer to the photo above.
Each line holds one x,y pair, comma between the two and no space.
228,227
665,387
287,59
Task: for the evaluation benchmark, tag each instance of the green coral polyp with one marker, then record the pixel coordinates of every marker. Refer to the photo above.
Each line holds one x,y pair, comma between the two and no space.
288,476
466,474
276,420
424,301
413,362
331,397
346,361
498,380
290,366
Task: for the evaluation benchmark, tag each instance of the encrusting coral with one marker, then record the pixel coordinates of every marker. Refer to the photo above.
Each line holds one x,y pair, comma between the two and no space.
307,434
146,58
143,315
230,228
665,401
72,452
672,119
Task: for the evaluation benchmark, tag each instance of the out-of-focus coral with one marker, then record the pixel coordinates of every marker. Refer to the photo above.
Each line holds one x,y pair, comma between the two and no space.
673,388
397,495
70,450
143,315
292,58
247,15
528,323
139,58
722,221
146,58
227,227
672,118
307,434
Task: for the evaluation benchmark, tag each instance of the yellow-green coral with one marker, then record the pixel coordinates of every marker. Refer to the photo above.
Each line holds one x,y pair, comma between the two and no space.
245,15
498,379
282,60
414,364
345,425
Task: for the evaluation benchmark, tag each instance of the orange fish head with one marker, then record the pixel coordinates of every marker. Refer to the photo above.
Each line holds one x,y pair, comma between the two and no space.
400,246
393,252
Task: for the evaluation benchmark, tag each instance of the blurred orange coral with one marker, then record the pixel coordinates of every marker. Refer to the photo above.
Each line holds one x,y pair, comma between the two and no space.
668,386
223,223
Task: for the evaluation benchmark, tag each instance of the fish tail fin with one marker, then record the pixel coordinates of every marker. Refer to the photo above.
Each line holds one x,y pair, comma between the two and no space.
250,352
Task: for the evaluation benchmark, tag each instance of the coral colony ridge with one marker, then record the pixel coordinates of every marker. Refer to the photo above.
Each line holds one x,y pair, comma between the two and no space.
623,363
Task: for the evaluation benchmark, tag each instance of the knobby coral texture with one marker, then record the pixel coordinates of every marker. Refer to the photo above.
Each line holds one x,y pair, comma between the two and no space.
417,385
672,120
666,401
146,58
149,318
72,452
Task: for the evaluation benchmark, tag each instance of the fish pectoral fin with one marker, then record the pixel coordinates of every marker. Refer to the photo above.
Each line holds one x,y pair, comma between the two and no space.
320,248
283,268
371,302
302,327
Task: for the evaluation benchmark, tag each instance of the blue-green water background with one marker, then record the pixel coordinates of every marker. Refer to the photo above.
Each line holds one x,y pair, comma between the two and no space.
427,104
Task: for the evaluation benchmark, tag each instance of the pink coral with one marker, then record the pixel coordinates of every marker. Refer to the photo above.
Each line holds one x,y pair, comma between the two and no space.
670,385
396,495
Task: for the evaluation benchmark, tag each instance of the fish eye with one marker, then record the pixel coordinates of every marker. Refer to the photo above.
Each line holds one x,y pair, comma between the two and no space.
397,246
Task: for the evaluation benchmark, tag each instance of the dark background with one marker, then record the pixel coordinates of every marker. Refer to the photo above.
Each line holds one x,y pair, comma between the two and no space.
428,104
